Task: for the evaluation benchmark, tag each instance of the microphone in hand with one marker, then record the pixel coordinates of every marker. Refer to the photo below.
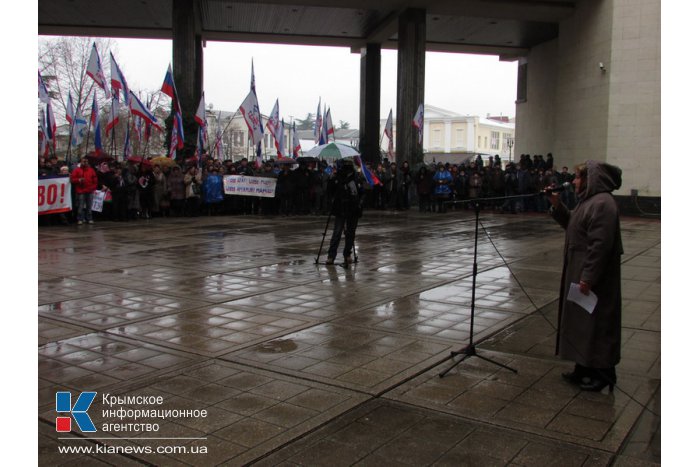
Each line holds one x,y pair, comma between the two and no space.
556,189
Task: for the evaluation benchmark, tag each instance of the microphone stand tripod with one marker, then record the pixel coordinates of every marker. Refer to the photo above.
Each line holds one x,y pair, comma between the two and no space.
470,349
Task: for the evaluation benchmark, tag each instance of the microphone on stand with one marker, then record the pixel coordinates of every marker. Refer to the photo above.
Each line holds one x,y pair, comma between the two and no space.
557,189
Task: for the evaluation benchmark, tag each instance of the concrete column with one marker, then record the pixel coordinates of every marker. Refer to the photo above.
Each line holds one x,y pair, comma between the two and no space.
448,136
370,90
187,65
410,82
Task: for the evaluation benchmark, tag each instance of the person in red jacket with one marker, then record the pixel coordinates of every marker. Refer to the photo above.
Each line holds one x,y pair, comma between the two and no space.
84,181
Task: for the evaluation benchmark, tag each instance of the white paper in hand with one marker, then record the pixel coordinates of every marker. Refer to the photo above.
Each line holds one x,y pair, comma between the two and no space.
587,302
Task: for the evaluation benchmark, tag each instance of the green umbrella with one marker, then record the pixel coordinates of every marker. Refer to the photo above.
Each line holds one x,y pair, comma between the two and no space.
332,151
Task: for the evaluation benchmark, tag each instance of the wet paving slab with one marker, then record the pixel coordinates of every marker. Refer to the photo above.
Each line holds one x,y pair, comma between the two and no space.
304,364
383,432
212,330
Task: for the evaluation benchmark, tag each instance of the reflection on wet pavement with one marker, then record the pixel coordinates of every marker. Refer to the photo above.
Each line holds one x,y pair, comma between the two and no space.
233,315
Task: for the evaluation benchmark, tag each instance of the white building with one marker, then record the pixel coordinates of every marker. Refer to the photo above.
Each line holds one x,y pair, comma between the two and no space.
452,137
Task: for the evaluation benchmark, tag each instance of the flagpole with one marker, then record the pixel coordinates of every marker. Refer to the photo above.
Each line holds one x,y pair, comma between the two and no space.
87,142
114,143
70,140
148,139
218,138
126,133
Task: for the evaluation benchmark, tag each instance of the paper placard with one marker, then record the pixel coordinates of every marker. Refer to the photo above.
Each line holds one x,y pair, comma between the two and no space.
98,199
587,302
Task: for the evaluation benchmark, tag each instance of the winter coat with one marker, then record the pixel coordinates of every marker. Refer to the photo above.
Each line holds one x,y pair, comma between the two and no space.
442,179
475,183
213,188
160,191
193,185
89,179
347,195
592,252
176,185
424,182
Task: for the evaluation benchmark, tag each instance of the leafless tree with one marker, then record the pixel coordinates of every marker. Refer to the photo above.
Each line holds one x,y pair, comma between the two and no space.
63,61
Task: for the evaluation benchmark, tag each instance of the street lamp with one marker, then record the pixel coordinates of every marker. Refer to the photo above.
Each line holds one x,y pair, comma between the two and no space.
509,143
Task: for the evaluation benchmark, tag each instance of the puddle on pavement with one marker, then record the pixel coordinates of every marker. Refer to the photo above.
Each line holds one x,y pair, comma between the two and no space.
277,346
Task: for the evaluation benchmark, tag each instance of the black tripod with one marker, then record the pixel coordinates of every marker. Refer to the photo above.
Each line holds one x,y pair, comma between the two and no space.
470,349
323,239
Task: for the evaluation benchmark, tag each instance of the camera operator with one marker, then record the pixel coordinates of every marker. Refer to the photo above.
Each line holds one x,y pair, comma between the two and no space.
346,193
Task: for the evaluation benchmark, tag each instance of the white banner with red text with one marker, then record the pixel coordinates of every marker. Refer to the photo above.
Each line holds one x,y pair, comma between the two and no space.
54,195
250,186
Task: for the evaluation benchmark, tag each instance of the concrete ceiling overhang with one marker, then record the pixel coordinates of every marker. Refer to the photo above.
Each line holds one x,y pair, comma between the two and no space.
508,28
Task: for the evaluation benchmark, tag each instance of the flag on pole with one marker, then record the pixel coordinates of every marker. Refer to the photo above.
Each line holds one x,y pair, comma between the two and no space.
178,129
296,145
44,139
389,132
201,115
168,86
200,143
317,124
137,126
43,91
50,125
260,129
418,123
94,112
118,80
94,69
70,109
328,126
369,176
279,140
79,130
219,135
274,120
252,76
127,144
173,140
251,114
273,124
98,138
113,114
138,109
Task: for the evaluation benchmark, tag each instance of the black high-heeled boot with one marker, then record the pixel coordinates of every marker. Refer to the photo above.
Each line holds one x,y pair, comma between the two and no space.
576,376
599,379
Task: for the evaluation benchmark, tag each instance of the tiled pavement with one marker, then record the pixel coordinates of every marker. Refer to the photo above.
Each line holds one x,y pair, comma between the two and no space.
303,364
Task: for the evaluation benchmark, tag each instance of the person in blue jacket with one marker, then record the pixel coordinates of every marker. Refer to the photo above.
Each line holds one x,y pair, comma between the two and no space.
443,189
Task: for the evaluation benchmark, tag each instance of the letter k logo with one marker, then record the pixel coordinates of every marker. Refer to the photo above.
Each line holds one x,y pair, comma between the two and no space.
78,411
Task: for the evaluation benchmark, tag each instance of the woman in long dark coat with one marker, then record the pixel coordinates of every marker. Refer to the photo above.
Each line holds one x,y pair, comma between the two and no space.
592,252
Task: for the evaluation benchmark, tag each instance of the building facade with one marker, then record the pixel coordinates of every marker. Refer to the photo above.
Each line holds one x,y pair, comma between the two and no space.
452,137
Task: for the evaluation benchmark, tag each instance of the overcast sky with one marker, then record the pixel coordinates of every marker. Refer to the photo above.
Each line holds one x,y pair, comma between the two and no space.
299,75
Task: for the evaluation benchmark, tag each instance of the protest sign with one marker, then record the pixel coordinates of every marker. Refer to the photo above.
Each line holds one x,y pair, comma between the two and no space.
250,186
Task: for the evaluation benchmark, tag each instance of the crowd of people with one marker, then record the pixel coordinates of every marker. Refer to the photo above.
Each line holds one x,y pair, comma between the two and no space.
142,190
